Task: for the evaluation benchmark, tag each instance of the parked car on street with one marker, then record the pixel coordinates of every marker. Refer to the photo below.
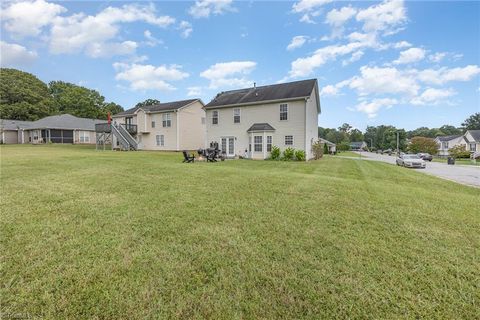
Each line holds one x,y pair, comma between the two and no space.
411,161
388,151
425,156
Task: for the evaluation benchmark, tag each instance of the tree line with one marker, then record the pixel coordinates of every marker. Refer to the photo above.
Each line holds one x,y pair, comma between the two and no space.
385,136
25,97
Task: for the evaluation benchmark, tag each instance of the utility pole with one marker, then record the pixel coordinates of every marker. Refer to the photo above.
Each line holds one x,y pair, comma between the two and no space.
398,139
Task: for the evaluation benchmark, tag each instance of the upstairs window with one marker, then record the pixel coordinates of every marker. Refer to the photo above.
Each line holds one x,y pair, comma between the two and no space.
167,120
445,144
153,124
284,111
215,117
236,115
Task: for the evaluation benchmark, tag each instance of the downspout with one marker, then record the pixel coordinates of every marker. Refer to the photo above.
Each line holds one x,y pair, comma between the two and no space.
305,129
178,130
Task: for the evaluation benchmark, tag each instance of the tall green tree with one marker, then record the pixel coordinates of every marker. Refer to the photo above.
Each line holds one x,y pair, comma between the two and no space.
23,96
148,102
472,122
449,130
355,135
423,144
80,101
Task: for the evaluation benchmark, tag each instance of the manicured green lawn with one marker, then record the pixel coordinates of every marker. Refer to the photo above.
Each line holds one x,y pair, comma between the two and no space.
349,154
135,235
459,161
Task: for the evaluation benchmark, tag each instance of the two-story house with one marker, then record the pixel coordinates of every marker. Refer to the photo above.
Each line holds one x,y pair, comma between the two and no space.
248,122
447,142
172,126
471,141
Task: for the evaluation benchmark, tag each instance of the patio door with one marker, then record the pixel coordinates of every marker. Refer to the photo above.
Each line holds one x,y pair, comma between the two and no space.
228,145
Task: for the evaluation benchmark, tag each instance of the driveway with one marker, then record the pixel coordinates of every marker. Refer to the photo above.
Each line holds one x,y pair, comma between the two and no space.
464,174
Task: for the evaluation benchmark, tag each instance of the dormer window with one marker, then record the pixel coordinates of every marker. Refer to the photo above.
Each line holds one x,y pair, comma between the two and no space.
283,112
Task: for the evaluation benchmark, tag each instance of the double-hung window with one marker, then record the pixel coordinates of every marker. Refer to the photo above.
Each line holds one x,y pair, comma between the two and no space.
167,120
153,124
214,117
236,115
84,137
160,139
445,145
473,146
269,143
258,143
289,140
283,111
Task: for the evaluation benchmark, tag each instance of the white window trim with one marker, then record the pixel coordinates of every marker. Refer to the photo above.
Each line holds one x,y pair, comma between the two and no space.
167,120
266,143
285,140
280,111
218,117
255,144
159,141
83,137
239,115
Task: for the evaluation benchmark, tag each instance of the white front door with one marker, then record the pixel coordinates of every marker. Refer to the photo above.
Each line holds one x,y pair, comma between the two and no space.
228,145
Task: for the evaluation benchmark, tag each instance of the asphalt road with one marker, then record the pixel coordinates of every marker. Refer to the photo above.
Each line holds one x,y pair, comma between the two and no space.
464,174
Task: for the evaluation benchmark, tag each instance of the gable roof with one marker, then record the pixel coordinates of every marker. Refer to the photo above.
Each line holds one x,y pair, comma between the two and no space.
475,135
326,141
283,91
261,127
448,138
161,107
65,121
8,124
357,143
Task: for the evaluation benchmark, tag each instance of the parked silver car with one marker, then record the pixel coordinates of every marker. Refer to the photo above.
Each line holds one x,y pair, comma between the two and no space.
411,161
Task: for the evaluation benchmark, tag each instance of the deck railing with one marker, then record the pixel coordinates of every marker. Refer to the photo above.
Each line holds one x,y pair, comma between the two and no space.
106,127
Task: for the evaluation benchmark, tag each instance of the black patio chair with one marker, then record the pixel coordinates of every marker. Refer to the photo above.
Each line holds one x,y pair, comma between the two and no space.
188,158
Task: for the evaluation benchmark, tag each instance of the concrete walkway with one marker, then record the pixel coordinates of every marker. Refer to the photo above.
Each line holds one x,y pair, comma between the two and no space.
464,174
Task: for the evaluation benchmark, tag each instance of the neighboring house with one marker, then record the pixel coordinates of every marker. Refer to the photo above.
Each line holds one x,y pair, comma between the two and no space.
248,122
332,147
447,142
174,126
63,128
11,131
356,146
471,141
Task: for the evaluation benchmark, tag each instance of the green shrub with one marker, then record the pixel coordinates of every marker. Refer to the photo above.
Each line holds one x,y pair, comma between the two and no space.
288,154
300,155
275,153
344,146
459,152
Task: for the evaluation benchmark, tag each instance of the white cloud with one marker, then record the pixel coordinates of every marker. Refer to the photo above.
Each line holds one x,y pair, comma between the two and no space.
79,32
186,29
229,74
337,18
27,18
355,57
410,55
205,8
433,96
297,42
371,108
151,40
110,49
194,91
437,57
384,17
12,55
444,75
309,8
375,80
148,77
402,44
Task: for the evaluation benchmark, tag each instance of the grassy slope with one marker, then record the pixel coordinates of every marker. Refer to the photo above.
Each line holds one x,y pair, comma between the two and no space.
135,235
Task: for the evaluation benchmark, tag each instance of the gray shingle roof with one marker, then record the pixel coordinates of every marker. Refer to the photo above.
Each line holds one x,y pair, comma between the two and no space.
7,124
283,91
261,127
448,138
65,121
167,106
357,144
475,134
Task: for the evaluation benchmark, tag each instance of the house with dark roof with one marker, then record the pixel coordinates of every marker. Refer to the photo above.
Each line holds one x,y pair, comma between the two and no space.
358,145
248,122
471,141
173,126
63,128
447,142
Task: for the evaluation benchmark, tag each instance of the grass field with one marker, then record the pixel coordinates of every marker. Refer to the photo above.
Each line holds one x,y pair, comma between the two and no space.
349,154
458,161
140,235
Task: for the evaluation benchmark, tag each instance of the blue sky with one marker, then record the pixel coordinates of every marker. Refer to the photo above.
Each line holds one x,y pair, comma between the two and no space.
405,63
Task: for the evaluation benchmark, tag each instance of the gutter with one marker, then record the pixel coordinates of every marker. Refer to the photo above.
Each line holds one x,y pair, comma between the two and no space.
254,103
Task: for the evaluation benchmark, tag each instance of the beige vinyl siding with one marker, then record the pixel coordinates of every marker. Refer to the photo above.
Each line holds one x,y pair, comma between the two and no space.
269,113
170,133
91,135
191,129
311,120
